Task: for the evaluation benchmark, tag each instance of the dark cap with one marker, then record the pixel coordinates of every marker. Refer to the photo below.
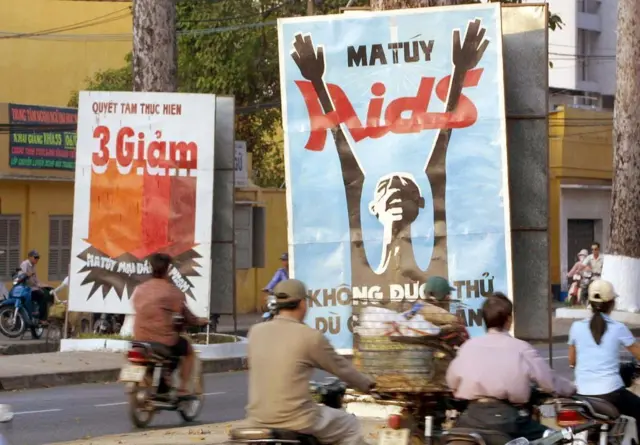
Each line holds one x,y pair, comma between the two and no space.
284,257
289,291
34,254
439,287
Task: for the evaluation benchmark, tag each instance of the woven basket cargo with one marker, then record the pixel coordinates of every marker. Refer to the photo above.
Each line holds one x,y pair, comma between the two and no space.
401,367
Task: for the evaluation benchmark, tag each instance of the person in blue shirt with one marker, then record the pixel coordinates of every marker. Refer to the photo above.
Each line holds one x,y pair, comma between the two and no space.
280,275
594,352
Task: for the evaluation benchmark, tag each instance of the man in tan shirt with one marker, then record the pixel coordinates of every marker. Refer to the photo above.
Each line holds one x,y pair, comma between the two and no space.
283,354
155,302
495,373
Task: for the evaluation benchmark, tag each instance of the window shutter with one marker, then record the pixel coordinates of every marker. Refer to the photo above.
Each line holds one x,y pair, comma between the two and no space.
10,239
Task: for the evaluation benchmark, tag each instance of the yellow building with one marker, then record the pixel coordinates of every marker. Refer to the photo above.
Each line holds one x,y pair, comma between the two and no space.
50,47
580,173
45,57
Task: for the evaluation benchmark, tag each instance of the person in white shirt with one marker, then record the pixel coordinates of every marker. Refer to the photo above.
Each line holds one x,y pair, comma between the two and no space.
595,260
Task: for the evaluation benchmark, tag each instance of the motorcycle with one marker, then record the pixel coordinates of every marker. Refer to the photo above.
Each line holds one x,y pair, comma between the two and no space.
330,393
107,324
587,278
19,312
271,308
151,385
584,420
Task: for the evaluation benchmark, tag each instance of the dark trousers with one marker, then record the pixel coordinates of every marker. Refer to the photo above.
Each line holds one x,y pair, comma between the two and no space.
38,296
627,403
501,417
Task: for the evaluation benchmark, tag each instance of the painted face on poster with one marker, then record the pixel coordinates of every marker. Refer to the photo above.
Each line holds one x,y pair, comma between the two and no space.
406,139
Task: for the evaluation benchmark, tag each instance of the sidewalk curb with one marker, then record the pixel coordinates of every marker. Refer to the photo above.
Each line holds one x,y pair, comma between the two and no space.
48,380
27,348
565,338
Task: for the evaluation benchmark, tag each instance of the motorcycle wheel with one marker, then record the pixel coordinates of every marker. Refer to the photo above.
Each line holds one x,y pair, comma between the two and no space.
139,411
9,328
190,409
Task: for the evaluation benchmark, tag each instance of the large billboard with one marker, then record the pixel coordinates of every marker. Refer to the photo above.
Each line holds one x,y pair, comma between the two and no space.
144,184
396,159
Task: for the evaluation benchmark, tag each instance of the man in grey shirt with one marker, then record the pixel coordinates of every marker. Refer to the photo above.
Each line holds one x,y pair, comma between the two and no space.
28,266
495,373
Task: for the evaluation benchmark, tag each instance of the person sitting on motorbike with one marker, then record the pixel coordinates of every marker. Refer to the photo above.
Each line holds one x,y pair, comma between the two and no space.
155,303
495,373
594,351
594,261
575,275
282,356
28,266
280,275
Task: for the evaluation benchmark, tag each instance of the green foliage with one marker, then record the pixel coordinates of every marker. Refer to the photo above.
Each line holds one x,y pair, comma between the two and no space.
220,55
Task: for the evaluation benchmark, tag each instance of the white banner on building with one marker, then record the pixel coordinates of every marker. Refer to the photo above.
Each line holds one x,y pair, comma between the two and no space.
144,184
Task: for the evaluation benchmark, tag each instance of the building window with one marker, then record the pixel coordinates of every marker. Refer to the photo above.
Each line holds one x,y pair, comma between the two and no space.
244,240
59,246
9,245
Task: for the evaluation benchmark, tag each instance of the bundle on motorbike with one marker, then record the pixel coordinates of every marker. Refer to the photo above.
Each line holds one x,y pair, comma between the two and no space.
331,393
151,382
19,312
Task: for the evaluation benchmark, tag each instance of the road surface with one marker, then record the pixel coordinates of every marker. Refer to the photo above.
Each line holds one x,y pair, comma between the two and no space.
67,413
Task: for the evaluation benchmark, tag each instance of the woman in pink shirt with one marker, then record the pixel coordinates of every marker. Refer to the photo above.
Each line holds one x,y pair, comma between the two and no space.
575,276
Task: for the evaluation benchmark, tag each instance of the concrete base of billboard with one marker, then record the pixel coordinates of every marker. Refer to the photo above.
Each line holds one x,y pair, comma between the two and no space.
629,318
237,349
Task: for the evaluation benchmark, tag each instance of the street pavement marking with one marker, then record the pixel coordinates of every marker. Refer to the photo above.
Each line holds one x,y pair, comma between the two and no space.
38,412
111,404
124,403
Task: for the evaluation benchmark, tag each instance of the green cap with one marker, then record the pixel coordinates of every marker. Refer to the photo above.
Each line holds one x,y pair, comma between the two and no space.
288,291
438,287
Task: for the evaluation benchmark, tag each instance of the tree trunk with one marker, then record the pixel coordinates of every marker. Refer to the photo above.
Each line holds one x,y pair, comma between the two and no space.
155,61
622,262
382,5
155,53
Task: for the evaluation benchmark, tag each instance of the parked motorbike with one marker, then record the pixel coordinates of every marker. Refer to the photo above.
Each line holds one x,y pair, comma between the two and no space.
330,393
19,312
151,382
107,324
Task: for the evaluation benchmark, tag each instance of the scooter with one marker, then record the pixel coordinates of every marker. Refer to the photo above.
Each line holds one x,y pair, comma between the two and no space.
271,308
107,324
150,382
19,312
330,393
587,278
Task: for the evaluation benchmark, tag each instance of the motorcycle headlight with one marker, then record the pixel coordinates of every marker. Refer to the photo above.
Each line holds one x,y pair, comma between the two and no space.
15,282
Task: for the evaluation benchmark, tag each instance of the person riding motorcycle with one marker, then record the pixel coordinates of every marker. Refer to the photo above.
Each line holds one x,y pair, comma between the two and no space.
282,356
280,275
28,267
437,310
594,352
155,303
495,373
